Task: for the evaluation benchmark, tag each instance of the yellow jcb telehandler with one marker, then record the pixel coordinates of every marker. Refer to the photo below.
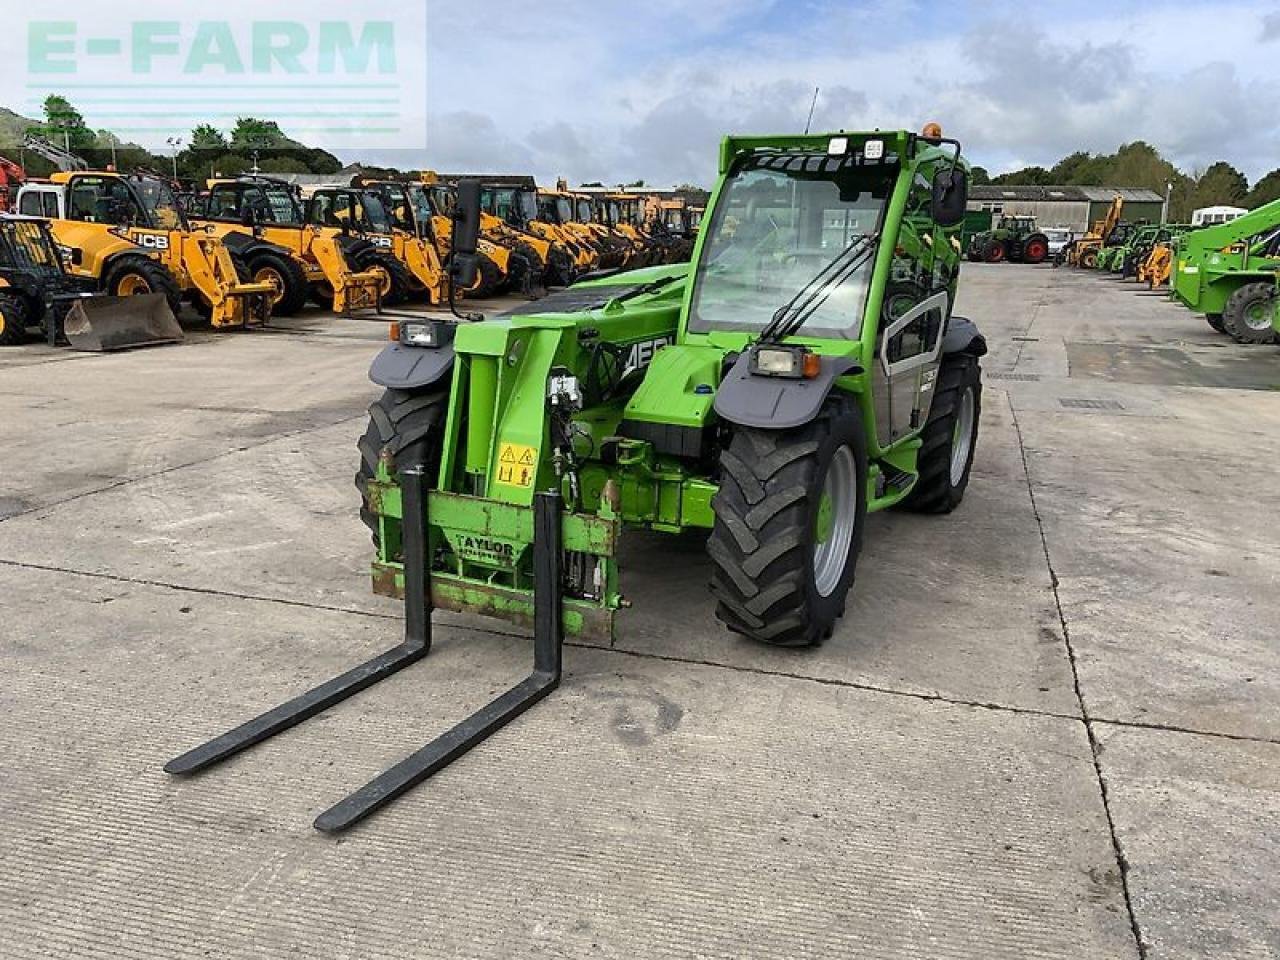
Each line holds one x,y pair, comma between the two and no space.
108,222
409,265
262,222
514,203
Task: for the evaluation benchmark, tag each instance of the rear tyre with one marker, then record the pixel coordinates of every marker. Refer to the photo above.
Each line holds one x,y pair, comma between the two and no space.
1089,259
994,252
1215,321
949,438
14,317
1036,249
287,276
1248,314
135,276
409,425
788,527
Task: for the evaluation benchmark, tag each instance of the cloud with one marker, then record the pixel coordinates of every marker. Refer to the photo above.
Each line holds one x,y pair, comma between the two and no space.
1271,27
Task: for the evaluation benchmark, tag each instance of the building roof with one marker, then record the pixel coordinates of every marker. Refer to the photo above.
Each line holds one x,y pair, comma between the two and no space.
1066,194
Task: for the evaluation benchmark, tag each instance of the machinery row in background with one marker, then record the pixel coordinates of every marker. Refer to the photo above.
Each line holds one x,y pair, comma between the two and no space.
1226,268
78,248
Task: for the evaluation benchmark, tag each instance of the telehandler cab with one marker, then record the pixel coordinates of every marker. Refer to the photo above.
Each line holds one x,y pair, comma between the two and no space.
112,223
803,370
262,221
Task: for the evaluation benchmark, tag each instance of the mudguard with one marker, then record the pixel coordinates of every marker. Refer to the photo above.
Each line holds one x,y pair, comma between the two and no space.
247,246
399,367
963,337
774,403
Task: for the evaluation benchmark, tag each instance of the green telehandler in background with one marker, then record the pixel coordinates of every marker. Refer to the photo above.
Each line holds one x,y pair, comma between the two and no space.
804,370
1229,271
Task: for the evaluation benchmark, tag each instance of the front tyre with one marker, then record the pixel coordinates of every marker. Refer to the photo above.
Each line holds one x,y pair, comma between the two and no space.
409,426
949,438
288,278
1247,315
14,317
788,530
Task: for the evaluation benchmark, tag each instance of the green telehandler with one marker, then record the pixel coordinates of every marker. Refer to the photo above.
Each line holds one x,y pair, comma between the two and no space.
1229,271
803,370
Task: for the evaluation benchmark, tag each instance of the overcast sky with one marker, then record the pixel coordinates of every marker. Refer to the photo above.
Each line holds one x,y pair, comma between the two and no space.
617,91
614,91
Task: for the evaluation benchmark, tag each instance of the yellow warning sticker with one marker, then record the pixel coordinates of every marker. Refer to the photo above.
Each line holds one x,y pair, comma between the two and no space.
517,464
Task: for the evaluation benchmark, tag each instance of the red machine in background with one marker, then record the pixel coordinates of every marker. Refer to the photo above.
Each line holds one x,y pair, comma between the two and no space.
12,176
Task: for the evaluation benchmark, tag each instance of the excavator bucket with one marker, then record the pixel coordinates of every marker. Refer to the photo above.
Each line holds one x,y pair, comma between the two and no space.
105,324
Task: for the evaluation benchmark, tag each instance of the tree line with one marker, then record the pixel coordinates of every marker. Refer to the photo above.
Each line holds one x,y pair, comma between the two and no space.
1139,164
206,151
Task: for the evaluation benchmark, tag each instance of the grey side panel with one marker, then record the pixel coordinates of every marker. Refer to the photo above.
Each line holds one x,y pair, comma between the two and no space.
399,367
963,337
772,402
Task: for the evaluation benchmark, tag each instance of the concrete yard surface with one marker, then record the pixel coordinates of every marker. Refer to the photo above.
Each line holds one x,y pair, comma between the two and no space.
1047,727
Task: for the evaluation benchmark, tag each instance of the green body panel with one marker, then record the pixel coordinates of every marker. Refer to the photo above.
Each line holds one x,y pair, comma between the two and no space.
1211,263
641,450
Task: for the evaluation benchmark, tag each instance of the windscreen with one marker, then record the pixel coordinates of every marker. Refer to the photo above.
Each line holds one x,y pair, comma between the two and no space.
273,204
780,222
528,204
564,210
161,204
375,212
584,211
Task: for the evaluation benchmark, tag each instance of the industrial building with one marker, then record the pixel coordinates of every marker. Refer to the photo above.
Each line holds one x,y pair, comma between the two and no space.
1067,206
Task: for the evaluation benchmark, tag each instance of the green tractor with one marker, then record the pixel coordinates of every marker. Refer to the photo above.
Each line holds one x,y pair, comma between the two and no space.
1229,272
803,370
1016,239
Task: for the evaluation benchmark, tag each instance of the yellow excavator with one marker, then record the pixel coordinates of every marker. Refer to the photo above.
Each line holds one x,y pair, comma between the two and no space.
261,221
103,220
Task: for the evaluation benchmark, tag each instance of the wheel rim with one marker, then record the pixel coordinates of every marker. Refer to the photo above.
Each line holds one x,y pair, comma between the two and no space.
384,280
272,276
962,438
1036,251
1257,315
133,285
835,522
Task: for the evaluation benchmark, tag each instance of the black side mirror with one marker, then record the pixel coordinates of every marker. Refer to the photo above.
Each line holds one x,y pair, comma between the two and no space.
247,217
950,196
464,264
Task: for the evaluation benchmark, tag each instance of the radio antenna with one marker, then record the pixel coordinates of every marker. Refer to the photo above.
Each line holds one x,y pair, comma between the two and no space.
808,123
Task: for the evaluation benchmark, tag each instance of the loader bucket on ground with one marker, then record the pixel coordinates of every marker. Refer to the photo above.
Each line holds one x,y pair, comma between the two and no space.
103,324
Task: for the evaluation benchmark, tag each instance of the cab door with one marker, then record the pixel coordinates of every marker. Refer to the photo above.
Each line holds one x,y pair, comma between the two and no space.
910,354
913,315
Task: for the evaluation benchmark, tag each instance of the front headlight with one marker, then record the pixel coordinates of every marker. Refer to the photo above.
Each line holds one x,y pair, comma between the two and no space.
430,334
795,363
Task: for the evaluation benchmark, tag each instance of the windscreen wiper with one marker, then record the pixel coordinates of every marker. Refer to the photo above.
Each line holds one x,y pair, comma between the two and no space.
792,315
